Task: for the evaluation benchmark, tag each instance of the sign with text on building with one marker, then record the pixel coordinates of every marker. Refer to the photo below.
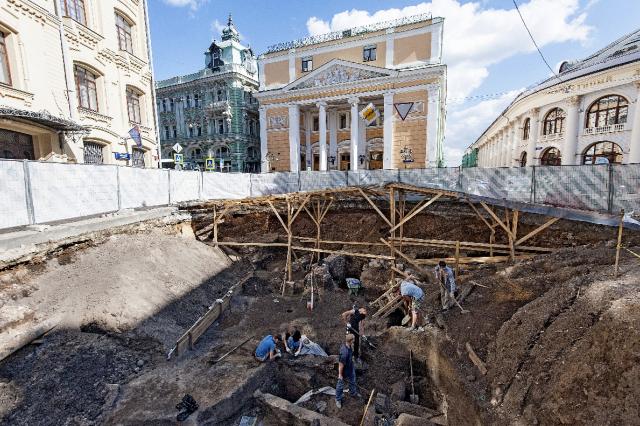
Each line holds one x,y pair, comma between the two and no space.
178,158
209,164
403,109
177,148
122,155
369,113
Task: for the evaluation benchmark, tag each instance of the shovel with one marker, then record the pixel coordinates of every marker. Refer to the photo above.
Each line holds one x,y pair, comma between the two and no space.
413,397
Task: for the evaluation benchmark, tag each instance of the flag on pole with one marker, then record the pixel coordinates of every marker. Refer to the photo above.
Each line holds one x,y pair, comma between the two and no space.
135,135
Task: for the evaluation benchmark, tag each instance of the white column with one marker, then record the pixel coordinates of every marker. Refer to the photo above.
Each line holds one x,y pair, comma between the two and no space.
362,143
292,65
387,154
388,63
634,142
294,138
322,144
436,43
492,152
308,123
533,137
504,147
261,74
355,129
516,134
433,124
333,138
499,142
264,146
570,146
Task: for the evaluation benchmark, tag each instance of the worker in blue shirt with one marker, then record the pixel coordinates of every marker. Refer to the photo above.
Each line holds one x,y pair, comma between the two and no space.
267,348
414,298
445,275
346,370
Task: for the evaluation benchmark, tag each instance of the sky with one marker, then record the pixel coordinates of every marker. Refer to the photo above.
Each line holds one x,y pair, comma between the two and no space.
489,55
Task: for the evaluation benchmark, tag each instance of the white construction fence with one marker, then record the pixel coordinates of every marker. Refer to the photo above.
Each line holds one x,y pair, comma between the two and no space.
38,192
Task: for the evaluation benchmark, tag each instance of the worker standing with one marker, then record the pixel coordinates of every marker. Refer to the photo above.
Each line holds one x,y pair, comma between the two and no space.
445,276
346,370
355,320
414,298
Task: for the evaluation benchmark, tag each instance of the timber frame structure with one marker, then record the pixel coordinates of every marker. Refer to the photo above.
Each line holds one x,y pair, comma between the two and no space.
288,207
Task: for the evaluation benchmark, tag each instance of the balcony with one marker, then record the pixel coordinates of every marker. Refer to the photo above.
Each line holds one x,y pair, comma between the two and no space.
612,128
551,137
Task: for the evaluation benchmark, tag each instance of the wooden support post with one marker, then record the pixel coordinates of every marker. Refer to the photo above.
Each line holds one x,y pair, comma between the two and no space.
492,239
415,212
215,226
537,230
619,245
392,232
289,238
401,215
457,259
366,408
318,213
496,218
374,206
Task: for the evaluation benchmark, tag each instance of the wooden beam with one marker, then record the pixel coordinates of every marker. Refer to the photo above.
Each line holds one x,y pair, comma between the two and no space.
467,245
345,253
310,215
476,359
366,408
233,243
346,243
409,216
457,259
278,215
496,218
326,210
486,222
374,206
620,227
538,230
300,208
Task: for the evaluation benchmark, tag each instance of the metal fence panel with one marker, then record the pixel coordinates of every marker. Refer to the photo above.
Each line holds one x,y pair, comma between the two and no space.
66,191
577,187
512,183
220,186
438,178
314,181
13,202
274,183
377,177
185,185
143,187
626,188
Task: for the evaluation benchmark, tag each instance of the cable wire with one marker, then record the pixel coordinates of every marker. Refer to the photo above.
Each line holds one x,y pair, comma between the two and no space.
534,41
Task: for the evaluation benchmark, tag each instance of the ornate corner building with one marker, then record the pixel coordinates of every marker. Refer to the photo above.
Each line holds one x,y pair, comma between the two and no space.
75,78
213,113
313,90
588,114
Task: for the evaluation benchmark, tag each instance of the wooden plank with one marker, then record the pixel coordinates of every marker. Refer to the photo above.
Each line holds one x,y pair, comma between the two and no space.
417,211
468,244
347,243
476,359
496,218
345,253
235,348
300,208
486,222
278,215
617,262
366,408
235,243
374,206
538,230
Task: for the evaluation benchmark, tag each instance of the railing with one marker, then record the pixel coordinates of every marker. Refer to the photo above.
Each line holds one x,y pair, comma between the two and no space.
40,192
551,137
604,129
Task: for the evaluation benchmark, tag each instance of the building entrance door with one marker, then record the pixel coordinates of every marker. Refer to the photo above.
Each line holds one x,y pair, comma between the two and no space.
17,146
316,162
345,161
375,160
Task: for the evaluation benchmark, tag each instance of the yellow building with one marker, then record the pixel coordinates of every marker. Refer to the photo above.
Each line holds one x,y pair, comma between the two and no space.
75,77
313,90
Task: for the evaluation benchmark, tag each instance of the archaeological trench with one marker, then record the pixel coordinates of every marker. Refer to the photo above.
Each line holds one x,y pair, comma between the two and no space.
116,327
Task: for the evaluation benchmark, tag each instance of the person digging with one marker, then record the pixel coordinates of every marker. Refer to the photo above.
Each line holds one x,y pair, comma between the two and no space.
267,349
445,276
346,370
354,320
413,297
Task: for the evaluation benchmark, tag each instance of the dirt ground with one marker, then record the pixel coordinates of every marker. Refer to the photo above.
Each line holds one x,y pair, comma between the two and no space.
559,335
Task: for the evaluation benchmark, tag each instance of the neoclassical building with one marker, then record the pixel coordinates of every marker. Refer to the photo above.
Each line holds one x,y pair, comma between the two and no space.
213,113
313,90
588,114
75,78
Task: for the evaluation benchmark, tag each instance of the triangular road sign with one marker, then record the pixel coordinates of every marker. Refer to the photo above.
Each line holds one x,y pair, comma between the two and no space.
403,109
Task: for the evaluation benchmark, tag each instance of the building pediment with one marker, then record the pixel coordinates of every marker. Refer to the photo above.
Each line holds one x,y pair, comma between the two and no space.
337,72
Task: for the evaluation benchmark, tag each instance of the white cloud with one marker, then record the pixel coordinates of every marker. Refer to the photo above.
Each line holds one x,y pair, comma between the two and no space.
192,4
217,27
475,38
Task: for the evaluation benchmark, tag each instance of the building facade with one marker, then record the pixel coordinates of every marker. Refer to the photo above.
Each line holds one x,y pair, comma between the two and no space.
213,113
313,90
588,114
75,78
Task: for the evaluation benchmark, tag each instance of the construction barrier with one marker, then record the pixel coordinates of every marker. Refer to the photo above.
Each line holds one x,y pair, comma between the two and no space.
40,192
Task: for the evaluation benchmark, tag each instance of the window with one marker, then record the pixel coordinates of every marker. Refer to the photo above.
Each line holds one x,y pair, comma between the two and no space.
221,95
252,152
133,106
137,157
199,130
222,152
175,132
607,111
188,102
16,145
5,73
369,53
602,153
164,105
526,128
93,153
196,100
171,104
123,28
191,130
554,121
344,120
307,64
75,10
86,88
523,159
166,132
316,123
551,157
220,126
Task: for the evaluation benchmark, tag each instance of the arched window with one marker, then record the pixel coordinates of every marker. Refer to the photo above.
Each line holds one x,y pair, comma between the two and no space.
222,152
5,72
554,121
526,128
603,153
133,105
75,9
86,88
523,159
123,29
608,110
551,157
